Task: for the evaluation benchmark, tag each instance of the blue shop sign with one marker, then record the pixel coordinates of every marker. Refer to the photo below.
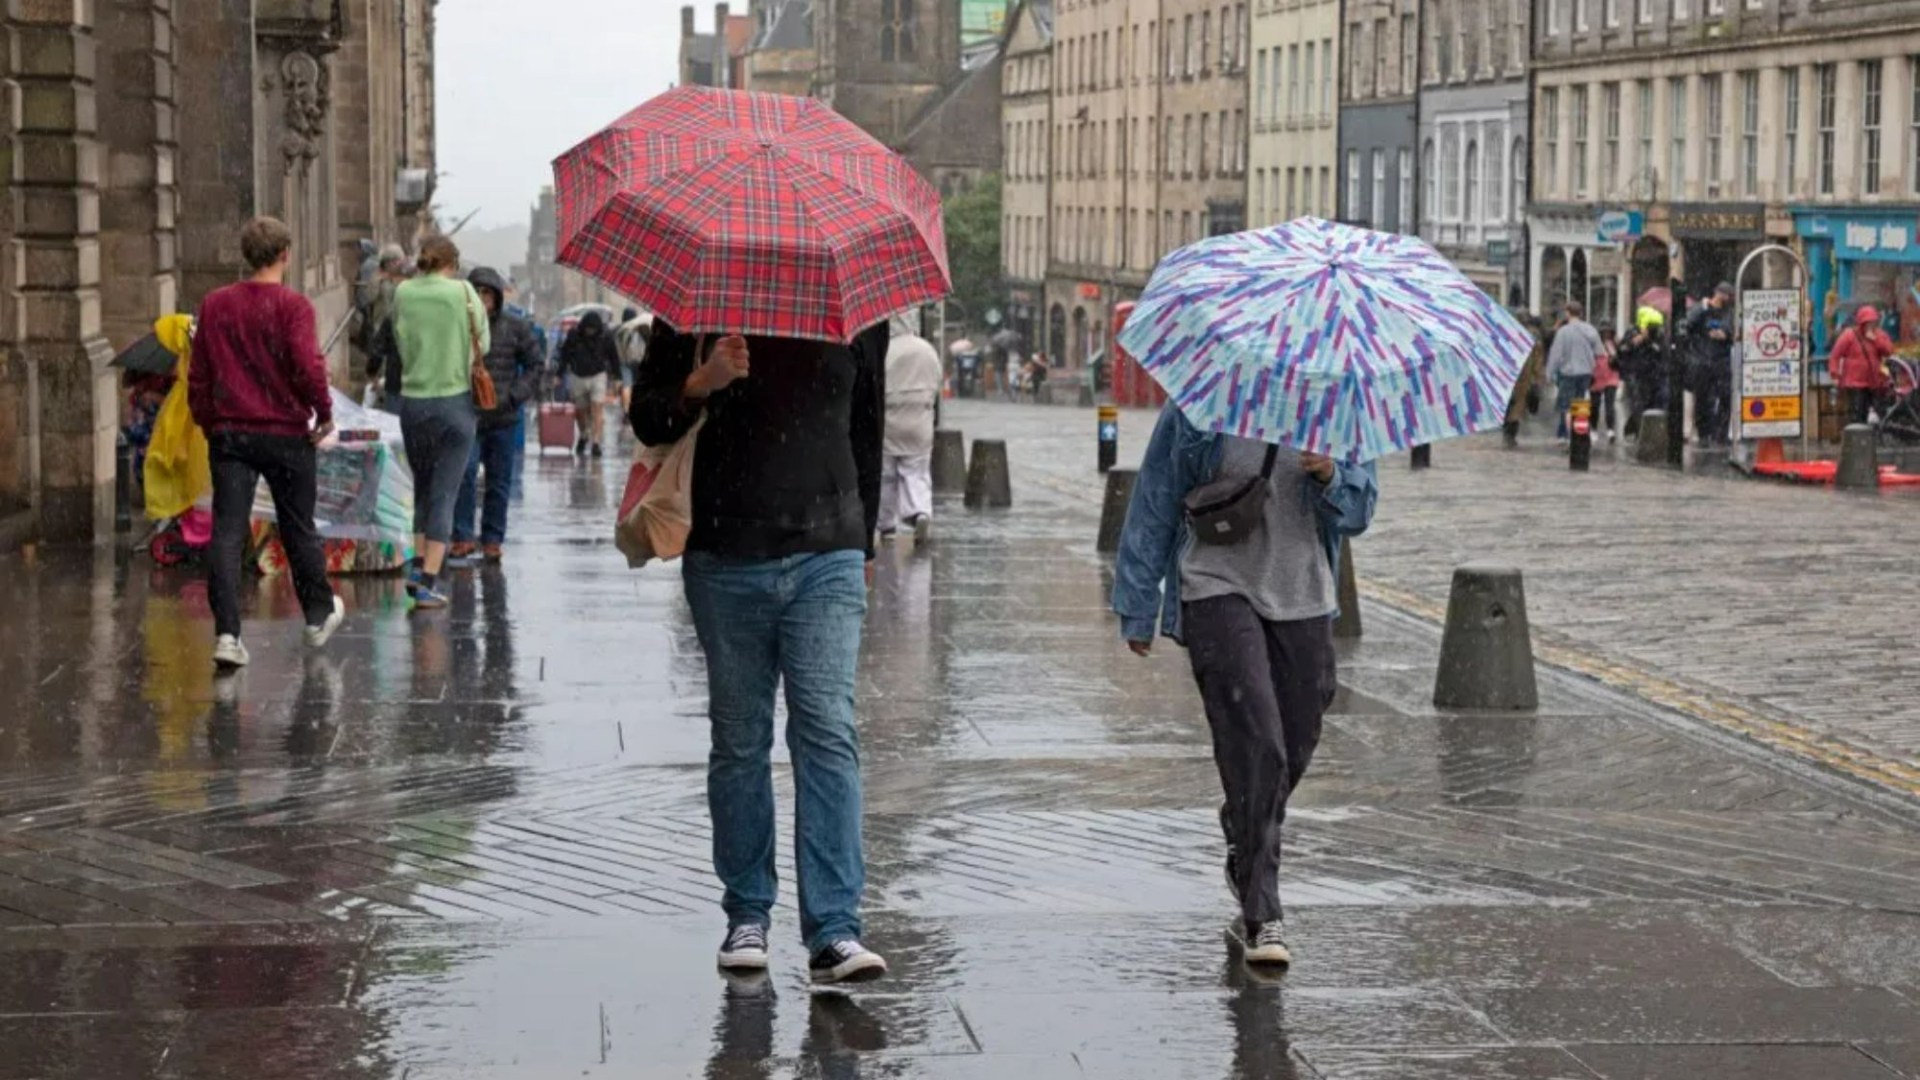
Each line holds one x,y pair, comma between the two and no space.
1620,226
1881,236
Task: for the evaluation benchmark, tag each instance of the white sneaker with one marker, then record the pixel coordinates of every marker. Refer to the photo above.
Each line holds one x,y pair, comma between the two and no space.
320,635
846,961
922,529
228,653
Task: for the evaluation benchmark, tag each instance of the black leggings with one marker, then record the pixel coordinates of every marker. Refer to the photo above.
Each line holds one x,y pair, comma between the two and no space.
1603,408
1859,402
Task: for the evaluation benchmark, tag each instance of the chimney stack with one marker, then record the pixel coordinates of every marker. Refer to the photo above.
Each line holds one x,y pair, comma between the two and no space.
720,23
686,21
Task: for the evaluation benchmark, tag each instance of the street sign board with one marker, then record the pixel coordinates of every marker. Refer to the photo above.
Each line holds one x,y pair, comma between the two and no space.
1772,374
1620,226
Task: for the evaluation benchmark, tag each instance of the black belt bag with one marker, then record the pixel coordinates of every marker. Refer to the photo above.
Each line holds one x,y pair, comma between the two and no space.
1230,517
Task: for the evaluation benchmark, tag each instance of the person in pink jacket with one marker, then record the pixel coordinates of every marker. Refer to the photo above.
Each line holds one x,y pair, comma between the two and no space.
1606,388
1858,362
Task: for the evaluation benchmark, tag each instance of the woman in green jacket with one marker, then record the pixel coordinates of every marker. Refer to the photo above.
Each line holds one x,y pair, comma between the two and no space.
439,325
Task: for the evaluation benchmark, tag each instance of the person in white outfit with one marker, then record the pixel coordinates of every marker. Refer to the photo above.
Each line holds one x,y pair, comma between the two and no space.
906,478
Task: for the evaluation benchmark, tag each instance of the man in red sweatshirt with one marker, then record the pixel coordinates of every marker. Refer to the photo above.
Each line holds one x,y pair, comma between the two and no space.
258,387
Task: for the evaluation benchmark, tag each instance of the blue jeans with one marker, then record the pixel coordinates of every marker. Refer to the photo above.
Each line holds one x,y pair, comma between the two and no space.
1572,389
438,433
493,449
797,620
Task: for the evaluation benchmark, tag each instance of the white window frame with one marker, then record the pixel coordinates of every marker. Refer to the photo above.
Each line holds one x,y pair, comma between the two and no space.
1582,124
1378,197
1643,117
1750,133
1826,137
1581,9
1430,166
1553,18
1353,184
1682,11
1405,215
1676,186
1790,91
1326,77
1873,119
1470,179
1550,136
1713,88
1260,94
1716,8
1609,138
1643,12
1610,13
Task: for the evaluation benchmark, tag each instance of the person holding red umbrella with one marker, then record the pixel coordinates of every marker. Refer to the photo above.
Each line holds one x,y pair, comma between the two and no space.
771,238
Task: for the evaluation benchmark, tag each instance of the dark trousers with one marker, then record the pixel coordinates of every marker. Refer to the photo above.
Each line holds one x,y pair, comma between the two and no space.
1712,408
286,462
1859,403
495,450
1603,411
1265,686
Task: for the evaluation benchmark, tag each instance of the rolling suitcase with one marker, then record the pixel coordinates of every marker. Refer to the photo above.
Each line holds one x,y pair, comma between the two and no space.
556,425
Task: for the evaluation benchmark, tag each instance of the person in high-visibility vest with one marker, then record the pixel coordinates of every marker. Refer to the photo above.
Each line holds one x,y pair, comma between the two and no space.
1639,364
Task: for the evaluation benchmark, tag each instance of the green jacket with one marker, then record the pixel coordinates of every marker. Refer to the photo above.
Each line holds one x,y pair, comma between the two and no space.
436,321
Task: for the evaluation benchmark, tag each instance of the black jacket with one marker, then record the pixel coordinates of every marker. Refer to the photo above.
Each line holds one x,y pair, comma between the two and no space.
514,358
590,350
788,461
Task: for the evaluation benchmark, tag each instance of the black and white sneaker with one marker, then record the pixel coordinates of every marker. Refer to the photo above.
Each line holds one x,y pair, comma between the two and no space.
745,948
846,961
1261,944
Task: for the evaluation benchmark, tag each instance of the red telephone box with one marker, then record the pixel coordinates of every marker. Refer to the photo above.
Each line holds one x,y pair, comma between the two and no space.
1132,387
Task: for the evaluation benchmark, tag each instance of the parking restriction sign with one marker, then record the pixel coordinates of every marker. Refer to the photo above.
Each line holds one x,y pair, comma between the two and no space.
1772,375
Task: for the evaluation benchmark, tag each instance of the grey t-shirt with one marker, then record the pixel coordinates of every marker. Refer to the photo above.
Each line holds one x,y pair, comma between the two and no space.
1281,568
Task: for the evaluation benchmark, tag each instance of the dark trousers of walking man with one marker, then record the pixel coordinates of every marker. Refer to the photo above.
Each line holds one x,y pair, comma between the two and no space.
288,464
1265,686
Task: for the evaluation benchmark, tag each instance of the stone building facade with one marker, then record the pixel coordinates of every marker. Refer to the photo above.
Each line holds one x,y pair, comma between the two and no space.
782,57
1026,123
1473,131
1724,125
1293,108
718,58
1148,151
1379,105
143,134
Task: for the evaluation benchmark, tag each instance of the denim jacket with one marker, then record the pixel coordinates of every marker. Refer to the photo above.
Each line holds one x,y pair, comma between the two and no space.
1181,457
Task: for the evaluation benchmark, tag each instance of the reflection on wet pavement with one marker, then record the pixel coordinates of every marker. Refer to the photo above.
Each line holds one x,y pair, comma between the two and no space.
474,843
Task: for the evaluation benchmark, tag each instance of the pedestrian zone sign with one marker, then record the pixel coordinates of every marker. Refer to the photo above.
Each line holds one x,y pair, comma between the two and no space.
1772,374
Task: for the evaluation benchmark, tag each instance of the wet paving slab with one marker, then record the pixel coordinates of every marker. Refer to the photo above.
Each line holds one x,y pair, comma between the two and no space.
474,844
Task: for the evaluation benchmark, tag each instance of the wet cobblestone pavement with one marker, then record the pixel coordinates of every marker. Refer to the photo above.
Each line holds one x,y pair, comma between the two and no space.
473,843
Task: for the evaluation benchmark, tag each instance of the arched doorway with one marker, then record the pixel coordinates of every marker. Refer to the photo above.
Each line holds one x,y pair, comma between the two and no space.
1079,343
1577,279
1648,268
1057,331
1553,281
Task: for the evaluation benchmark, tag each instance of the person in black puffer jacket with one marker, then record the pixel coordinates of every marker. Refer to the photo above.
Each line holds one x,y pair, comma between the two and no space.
514,363
590,358
785,496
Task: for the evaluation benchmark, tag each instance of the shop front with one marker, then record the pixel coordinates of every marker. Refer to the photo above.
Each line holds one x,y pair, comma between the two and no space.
1713,238
1861,255
1569,259
1024,313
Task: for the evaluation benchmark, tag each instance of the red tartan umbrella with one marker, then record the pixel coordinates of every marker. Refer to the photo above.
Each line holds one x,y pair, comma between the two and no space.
730,212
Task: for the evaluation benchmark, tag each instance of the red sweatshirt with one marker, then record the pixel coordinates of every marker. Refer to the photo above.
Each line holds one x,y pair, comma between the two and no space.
256,363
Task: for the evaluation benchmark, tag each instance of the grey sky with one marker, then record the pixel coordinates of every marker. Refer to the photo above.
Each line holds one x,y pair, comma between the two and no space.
519,81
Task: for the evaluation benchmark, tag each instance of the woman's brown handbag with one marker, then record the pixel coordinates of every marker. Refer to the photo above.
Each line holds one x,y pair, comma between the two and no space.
485,398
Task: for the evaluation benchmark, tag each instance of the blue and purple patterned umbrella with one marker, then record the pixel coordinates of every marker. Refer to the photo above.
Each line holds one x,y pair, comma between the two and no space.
1328,338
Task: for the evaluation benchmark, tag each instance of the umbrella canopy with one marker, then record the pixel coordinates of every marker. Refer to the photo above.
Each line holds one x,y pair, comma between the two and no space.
146,357
1328,338
1659,298
732,212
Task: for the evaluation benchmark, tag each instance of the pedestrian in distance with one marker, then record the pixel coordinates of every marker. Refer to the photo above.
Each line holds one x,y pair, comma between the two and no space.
1859,363
258,388
906,471
441,327
1256,616
383,361
785,499
513,362
1571,360
1710,373
1524,401
1606,389
590,359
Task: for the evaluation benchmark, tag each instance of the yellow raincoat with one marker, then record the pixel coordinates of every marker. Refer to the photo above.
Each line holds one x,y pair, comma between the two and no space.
177,474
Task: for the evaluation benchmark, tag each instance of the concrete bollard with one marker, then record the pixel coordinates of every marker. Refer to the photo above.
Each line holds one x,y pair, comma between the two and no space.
1486,651
1859,459
949,460
1422,457
1348,624
1652,447
1113,510
987,482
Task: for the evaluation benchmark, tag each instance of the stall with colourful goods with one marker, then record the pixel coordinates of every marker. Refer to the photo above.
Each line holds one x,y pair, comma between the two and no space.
364,508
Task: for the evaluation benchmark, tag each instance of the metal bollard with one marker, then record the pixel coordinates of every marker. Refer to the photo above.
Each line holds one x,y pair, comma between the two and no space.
1486,651
987,482
1348,624
1113,509
1580,435
1109,436
1859,459
1423,456
949,460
